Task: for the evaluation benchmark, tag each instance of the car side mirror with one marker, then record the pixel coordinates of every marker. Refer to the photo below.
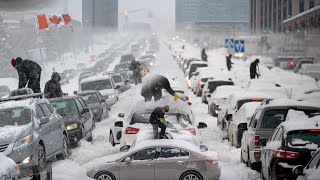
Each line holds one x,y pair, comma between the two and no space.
189,103
203,148
208,95
297,170
44,120
262,142
128,160
118,124
125,148
75,92
85,110
121,115
202,125
229,117
102,101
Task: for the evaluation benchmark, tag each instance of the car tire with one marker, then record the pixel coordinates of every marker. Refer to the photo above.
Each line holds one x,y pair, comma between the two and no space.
191,175
209,111
42,161
65,151
241,157
104,176
249,163
111,139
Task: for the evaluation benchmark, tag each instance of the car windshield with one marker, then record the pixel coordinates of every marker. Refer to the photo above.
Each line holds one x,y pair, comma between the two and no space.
273,117
172,118
117,79
65,107
304,139
90,98
15,116
242,102
214,84
96,85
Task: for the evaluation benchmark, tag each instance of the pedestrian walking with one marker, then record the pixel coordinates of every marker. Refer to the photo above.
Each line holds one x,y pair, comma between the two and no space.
52,88
229,63
157,121
254,69
153,88
204,55
29,74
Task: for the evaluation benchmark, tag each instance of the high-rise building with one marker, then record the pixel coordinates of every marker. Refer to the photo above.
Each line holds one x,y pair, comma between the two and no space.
226,12
280,15
100,13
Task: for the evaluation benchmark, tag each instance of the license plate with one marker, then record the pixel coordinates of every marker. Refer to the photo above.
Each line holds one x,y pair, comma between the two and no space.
313,152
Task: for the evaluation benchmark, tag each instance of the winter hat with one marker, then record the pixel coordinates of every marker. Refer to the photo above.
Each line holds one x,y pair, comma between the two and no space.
166,108
13,62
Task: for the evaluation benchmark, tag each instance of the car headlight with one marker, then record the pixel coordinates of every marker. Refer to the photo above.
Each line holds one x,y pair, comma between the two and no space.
24,141
72,126
111,96
151,64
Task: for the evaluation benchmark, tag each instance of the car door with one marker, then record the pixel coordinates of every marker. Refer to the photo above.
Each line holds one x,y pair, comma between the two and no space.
87,117
55,128
170,163
141,166
82,117
103,105
45,131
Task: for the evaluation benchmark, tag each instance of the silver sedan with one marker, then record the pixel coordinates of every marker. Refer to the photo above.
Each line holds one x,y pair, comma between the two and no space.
165,159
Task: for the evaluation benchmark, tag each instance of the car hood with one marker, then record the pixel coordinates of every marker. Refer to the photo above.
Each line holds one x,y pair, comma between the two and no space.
106,160
106,92
70,119
93,105
10,134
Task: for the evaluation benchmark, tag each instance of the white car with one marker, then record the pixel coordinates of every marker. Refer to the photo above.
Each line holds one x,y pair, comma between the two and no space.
104,84
200,72
211,85
217,98
8,168
311,171
240,123
193,68
312,70
119,82
123,132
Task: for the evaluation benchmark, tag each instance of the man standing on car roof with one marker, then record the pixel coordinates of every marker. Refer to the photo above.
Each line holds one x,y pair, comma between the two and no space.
157,120
254,69
52,88
29,73
153,88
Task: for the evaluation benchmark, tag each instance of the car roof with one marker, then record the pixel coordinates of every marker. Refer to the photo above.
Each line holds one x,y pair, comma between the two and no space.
95,78
21,103
88,92
169,143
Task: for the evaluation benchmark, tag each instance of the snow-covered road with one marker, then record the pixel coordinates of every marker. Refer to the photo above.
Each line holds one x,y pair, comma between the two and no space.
228,156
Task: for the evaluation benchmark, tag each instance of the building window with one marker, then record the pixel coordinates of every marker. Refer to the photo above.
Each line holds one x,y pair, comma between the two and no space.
284,9
270,14
274,15
261,16
311,4
301,6
289,8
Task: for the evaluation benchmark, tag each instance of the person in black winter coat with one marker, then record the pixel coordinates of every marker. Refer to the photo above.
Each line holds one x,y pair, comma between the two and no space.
153,88
229,63
254,69
204,55
52,88
29,73
157,121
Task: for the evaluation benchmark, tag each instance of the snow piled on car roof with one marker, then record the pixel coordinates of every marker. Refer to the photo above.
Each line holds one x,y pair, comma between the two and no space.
167,143
250,108
298,120
95,78
12,104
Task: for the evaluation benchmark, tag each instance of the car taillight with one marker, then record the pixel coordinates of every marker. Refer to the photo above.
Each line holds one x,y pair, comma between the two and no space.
131,130
192,130
256,141
200,82
291,63
281,154
205,92
210,161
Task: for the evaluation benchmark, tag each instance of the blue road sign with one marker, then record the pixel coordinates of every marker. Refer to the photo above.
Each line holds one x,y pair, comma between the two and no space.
239,46
229,43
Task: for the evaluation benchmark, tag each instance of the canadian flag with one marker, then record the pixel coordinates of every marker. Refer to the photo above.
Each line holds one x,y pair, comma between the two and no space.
57,20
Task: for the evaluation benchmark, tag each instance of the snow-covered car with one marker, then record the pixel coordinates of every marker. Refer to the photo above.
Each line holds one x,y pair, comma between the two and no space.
104,84
151,159
217,98
234,103
126,58
311,171
312,70
122,67
8,168
263,123
193,68
64,78
240,123
301,62
77,117
97,103
119,82
32,133
198,74
292,143
211,85
84,75
188,62
124,131
261,83
4,91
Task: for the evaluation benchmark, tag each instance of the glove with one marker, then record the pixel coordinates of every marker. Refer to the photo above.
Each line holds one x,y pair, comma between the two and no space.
175,97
